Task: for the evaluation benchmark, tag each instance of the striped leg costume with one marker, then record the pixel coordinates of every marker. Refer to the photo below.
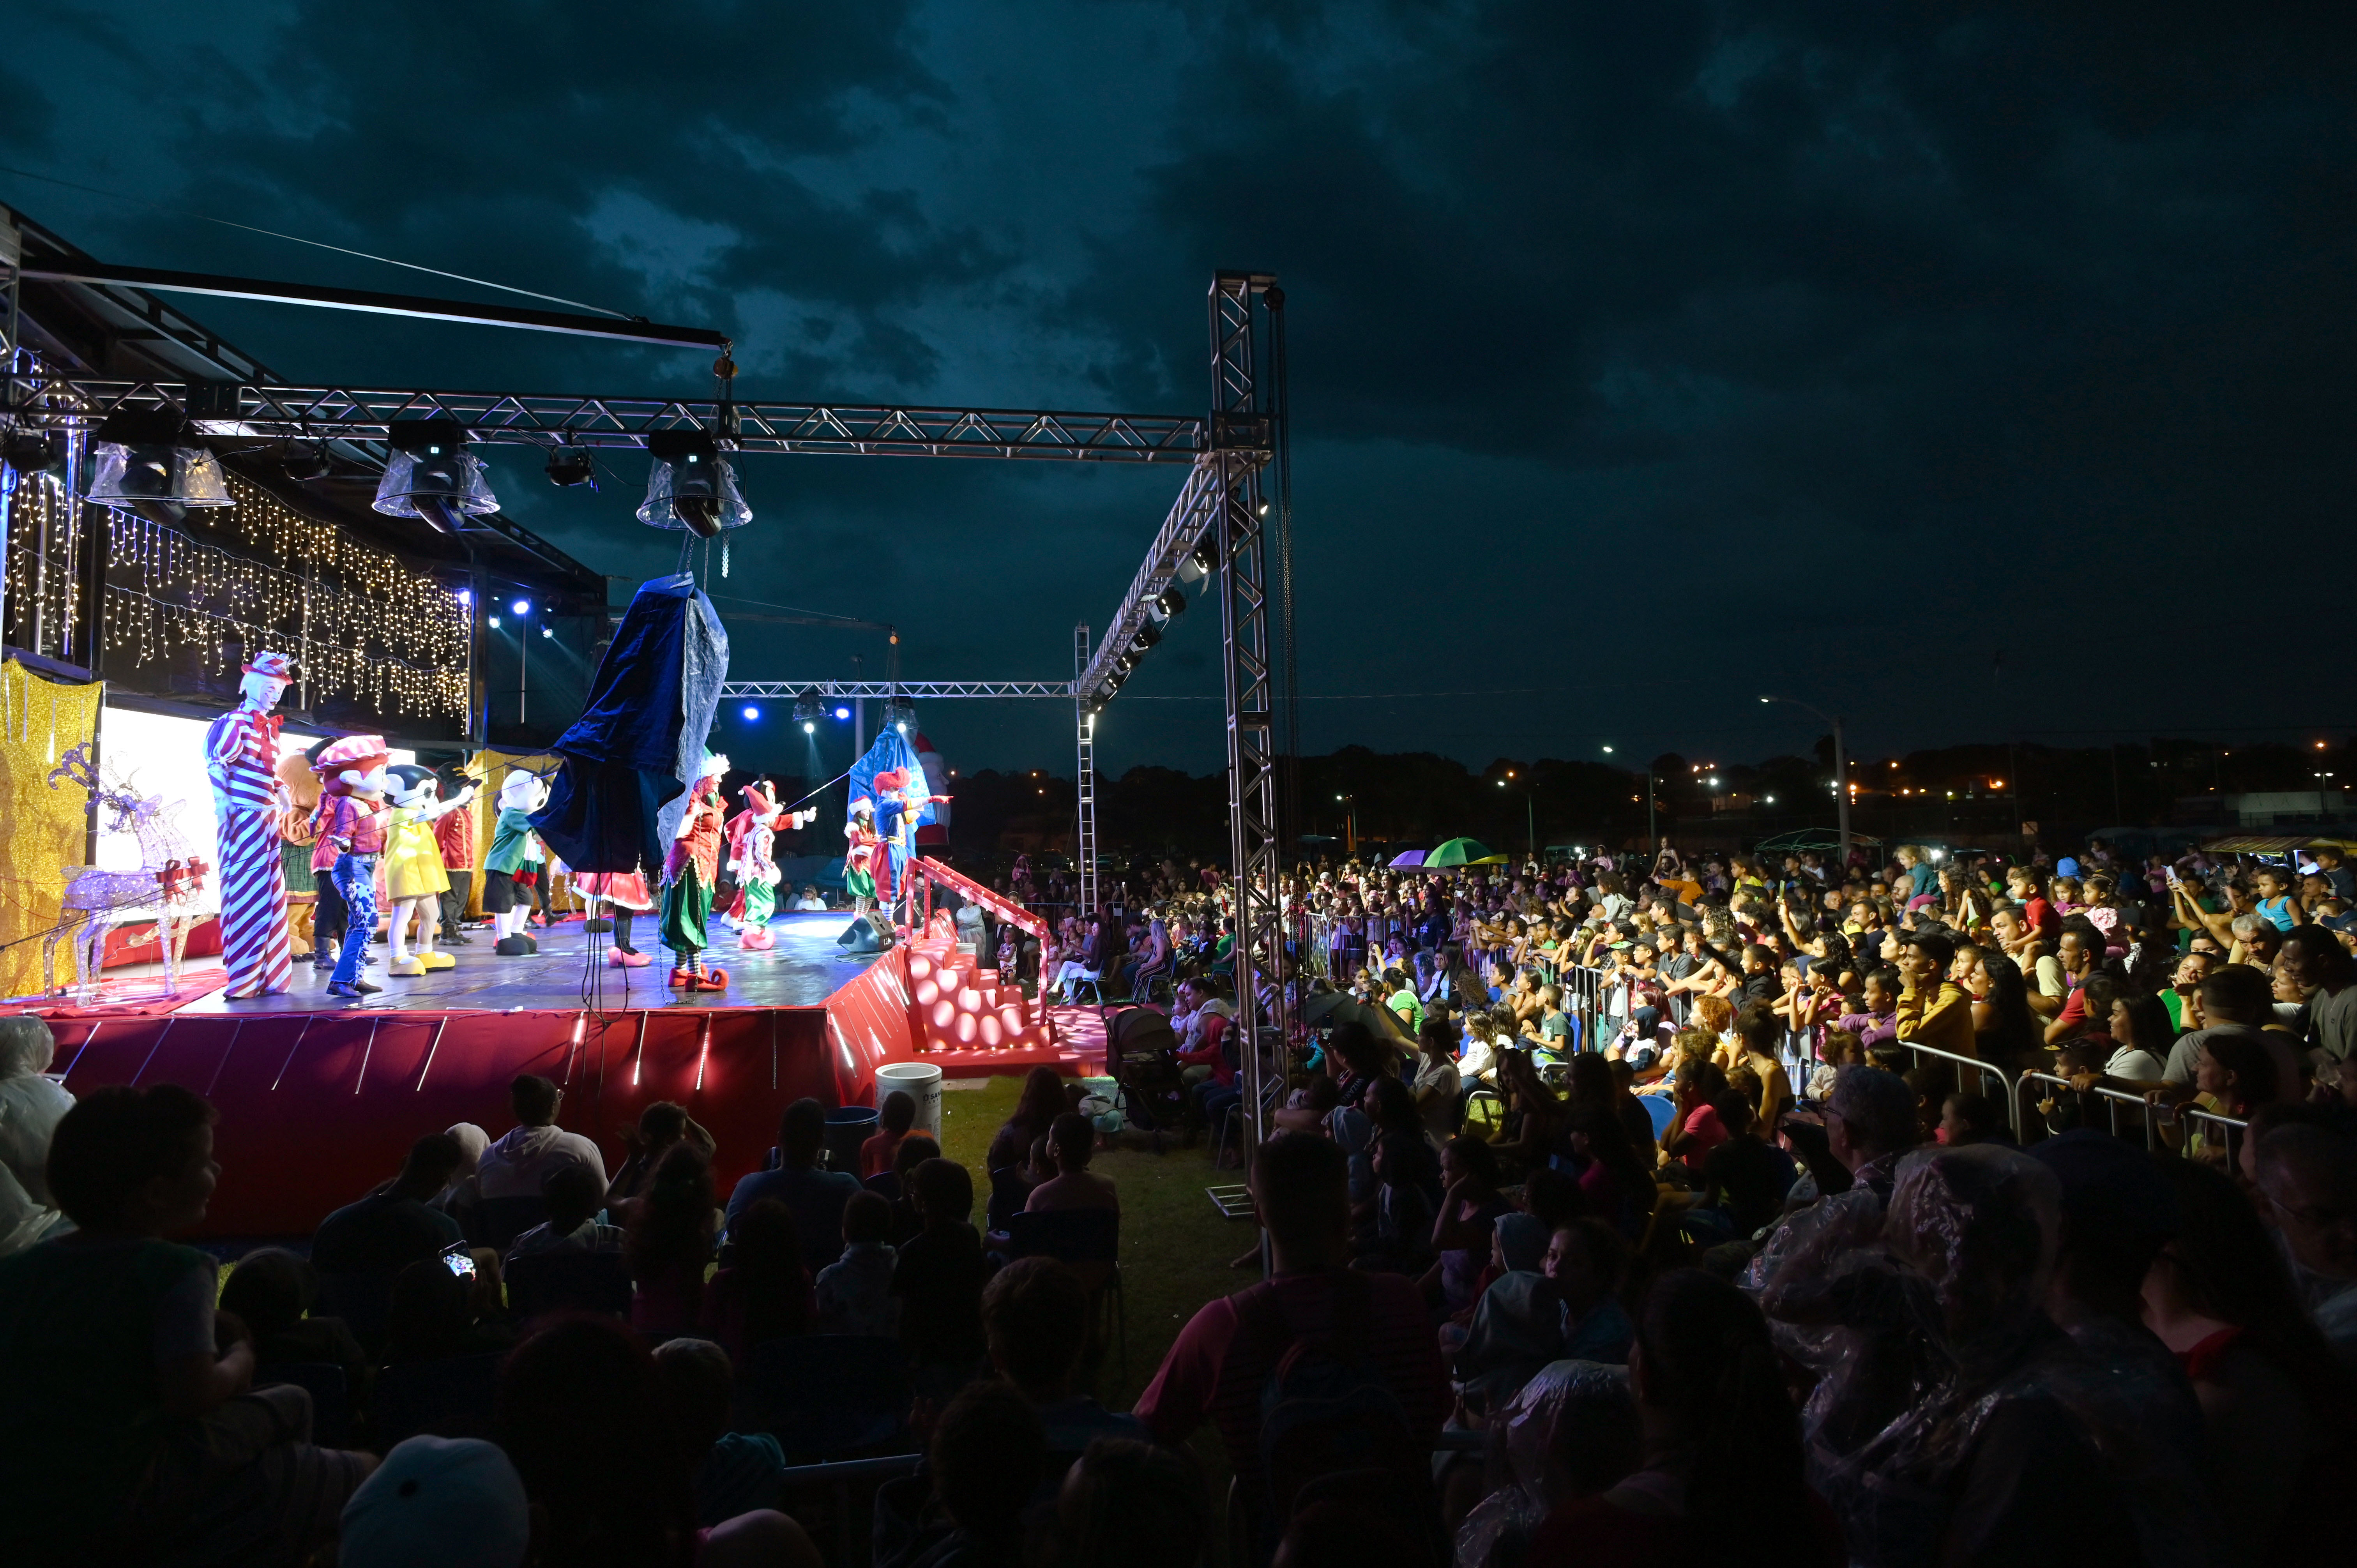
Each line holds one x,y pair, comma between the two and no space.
254,947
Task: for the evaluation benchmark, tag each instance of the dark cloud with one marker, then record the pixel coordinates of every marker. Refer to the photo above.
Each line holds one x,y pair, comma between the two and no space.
1644,356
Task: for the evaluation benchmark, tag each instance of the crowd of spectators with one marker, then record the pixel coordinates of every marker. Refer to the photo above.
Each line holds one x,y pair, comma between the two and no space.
1612,1215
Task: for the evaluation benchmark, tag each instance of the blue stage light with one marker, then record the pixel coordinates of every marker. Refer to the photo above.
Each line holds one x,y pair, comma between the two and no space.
548,632
521,607
494,622
752,714
842,713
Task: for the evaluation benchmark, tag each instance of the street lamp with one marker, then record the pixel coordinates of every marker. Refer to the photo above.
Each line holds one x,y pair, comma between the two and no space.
1530,812
1841,771
1352,800
1650,833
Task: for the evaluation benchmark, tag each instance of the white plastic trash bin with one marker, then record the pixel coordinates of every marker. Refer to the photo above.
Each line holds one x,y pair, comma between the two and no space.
922,1081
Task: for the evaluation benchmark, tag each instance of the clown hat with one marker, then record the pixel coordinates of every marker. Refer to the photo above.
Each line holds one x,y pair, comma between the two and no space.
355,751
277,666
892,779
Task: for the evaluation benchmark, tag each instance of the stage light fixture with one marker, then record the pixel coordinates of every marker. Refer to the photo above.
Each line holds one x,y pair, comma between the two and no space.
548,632
1126,663
901,716
465,596
521,607
808,708
148,459
1167,603
494,622
570,466
1201,561
305,464
1147,636
689,485
842,713
429,475
28,451
752,715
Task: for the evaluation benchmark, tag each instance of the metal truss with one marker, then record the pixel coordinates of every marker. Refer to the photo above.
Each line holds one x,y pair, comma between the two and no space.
48,400
1084,790
1244,325
1190,520
914,690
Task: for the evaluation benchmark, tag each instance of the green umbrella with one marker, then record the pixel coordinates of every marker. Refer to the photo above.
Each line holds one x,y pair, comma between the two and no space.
1455,853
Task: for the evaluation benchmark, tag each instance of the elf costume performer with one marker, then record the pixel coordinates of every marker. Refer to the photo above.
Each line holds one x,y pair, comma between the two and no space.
414,877
352,773
752,840
240,762
859,856
507,869
691,872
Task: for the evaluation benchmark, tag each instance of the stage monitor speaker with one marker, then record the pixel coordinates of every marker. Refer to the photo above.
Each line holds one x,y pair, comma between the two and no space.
859,937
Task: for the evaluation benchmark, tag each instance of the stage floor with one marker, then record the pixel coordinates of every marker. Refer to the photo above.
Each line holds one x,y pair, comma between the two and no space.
802,970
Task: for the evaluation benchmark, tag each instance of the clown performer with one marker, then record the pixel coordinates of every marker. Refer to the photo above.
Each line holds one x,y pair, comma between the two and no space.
516,848
691,872
752,842
625,892
414,877
861,850
351,826
240,762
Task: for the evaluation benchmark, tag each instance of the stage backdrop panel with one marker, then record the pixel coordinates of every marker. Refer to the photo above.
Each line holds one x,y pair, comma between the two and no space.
45,828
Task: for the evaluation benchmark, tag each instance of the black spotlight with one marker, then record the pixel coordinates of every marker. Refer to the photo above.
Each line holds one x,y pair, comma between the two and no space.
28,451
432,476
691,485
305,464
570,466
808,708
1170,602
1126,663
1147,636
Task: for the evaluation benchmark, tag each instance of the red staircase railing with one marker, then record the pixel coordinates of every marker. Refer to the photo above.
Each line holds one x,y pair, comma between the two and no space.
1007,911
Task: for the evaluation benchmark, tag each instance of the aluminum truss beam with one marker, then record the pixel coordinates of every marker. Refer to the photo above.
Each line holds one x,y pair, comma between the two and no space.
49,400
1244,326
1084,775
914,690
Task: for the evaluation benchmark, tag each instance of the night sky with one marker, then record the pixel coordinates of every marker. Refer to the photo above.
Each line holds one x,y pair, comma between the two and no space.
1975,371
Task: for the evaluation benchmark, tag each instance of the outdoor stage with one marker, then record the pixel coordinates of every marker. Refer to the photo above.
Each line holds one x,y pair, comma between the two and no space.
320,1097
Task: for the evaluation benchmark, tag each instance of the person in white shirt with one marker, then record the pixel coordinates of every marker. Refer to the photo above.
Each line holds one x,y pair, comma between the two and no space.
517,1165
854,1294
574,1196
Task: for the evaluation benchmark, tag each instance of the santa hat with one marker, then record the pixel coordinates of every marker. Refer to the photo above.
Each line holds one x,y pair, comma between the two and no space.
861,804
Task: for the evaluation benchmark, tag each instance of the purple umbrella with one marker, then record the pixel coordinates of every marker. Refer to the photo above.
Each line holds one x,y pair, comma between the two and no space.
1408,860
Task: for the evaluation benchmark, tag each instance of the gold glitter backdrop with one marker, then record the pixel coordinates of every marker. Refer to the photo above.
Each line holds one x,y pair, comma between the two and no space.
39,720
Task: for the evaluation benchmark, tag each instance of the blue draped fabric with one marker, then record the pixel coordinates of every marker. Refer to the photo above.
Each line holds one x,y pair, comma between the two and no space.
641,734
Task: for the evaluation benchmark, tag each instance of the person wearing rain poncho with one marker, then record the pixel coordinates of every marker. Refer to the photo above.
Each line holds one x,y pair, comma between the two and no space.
1952,1421
31,1106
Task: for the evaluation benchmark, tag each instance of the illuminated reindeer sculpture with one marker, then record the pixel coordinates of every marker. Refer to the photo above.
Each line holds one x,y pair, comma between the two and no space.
168,888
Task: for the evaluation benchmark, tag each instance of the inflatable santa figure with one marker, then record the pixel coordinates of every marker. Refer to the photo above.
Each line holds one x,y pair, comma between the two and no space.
241,761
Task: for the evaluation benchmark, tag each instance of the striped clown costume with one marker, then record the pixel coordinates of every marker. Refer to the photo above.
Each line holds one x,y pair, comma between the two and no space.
240,760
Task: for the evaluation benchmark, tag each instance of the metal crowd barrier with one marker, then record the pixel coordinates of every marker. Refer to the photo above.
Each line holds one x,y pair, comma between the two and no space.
2195,1118
2152,1116
2007,1090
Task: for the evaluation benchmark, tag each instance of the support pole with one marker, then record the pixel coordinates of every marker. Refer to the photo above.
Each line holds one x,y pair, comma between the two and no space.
1084,780
1242,440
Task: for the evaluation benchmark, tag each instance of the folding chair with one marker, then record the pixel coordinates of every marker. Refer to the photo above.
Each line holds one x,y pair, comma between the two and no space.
1088,1241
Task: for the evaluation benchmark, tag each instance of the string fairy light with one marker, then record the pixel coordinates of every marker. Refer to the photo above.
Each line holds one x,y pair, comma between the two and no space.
361,622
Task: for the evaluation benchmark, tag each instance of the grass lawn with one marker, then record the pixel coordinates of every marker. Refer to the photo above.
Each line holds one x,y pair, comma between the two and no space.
1174,1246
